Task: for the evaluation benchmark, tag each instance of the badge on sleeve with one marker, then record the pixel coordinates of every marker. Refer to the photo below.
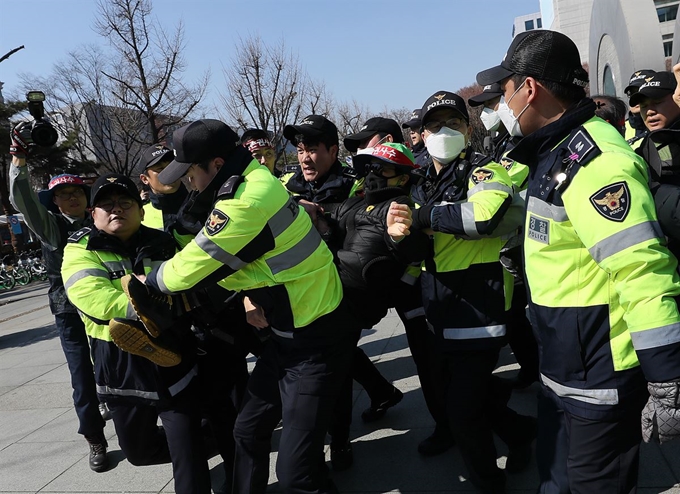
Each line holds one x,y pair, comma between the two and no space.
216,222
507,163
612,201
481,175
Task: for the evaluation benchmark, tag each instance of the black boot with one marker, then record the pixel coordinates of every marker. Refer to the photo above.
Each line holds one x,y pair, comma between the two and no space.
378,410
98,459
440,441
341,456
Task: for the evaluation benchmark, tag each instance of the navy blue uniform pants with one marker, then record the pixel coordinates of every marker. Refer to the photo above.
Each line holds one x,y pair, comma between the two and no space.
477,407
222,378
77,351
179,440
297,379
581,456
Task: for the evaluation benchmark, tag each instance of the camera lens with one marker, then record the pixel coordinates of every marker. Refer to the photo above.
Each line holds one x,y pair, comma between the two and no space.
43,134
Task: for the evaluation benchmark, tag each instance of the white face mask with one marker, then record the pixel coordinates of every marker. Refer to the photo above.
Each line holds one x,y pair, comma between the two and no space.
490,119
507,116
446,145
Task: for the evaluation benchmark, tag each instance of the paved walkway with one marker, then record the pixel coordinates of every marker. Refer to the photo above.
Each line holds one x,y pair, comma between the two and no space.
40,450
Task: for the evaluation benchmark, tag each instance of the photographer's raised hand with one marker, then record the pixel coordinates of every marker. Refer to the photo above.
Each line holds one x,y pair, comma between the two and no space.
21,141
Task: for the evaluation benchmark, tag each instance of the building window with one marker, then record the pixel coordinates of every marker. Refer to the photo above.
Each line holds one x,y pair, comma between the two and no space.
539,24
529,25
667,13
608,81
668,48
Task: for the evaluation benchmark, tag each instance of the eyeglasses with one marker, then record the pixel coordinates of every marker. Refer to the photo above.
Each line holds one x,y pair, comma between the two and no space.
452,123
65,196
107,205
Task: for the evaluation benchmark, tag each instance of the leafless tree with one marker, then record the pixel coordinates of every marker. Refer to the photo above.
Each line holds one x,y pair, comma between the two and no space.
113,102
479,132
148,65
267,88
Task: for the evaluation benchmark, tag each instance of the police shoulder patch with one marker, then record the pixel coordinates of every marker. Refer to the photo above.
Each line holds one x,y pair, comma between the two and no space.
216,222
228,189
612,201
580,145
507,163
75,237
481,175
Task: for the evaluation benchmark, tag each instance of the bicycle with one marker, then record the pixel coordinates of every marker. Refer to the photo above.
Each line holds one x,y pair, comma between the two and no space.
7,280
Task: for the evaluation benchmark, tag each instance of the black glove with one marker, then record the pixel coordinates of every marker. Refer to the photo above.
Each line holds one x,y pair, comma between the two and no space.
661,415
22,143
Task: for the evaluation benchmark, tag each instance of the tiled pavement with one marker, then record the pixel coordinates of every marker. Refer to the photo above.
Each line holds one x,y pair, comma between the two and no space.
40,450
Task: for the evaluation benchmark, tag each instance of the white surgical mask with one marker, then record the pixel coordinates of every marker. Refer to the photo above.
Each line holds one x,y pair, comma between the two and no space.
507,116
446,145
490,119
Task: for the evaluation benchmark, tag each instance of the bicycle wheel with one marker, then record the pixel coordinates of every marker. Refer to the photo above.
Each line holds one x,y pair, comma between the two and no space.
7,281
22,276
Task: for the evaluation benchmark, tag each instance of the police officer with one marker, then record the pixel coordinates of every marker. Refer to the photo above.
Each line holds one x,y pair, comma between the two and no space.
661,115
519,332
164,200
56,214
417,144
138,391
219,327
257,241
635,125
596,268
462,202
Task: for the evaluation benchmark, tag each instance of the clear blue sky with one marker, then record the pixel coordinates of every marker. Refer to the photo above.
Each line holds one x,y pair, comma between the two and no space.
383,53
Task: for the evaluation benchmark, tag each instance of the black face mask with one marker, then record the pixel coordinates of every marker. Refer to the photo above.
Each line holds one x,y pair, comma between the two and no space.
374,182
636,122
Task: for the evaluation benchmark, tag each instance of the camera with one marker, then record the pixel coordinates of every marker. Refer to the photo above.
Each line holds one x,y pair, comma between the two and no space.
42,132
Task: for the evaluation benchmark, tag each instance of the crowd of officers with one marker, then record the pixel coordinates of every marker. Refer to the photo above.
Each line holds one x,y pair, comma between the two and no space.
556,240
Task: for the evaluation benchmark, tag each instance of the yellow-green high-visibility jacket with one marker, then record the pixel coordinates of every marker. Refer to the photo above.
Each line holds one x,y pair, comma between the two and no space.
463,286
153,217
92,269
161,213
600,277
257,240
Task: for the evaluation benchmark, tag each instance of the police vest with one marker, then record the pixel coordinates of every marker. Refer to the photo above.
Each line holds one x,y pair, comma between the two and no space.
599,276
257,240
92,282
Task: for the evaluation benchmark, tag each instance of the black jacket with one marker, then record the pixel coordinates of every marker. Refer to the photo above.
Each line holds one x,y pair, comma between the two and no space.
331,189
664,180
370,266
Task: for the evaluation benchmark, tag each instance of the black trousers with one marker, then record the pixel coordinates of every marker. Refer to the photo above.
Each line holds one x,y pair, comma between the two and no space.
590,455
179,440
222,379
476,405
520,334
297,379
77,351
429,366
407,301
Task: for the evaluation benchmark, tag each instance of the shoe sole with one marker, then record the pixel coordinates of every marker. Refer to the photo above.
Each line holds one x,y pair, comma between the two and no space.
135,341
149,325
